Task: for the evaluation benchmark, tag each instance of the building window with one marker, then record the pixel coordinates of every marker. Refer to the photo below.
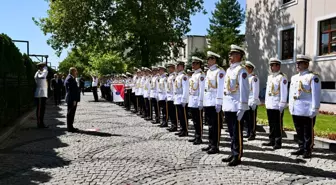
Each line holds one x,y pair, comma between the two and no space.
184,51
286,1
328,85
287,44
328,37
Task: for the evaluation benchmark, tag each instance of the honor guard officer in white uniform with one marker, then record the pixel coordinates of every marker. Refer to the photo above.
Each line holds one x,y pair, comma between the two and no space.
142,87
137,90
235,102
133,99
181,96
275,101
146,92
304,104
196,94
41,93
162,96
153,95
250,116
213,100
172,112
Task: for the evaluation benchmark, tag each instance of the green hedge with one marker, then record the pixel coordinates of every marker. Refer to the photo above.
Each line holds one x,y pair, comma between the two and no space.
16,82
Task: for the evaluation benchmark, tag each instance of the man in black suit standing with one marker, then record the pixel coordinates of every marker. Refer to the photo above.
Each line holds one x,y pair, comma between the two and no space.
72,97
56,86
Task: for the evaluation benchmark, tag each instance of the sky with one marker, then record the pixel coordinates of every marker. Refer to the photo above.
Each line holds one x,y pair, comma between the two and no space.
16,21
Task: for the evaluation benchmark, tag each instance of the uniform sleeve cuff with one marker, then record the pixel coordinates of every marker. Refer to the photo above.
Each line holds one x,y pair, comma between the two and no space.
243,106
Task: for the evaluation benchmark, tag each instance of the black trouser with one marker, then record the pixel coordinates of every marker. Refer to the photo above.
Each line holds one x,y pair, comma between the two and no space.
137,103
102,90
215,121
57,96
197,117
128,99
182,117
235,128
163,107
108,93
83,90
155,106
141,104
304,127
71,114
148,108
250,121
40,110
172,113
133,99
95,94
275,123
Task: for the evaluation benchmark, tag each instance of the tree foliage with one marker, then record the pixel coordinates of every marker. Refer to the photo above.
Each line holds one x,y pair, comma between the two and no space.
147,28
224,24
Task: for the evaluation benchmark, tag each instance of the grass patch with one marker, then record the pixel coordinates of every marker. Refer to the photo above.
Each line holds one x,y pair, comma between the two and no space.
325,125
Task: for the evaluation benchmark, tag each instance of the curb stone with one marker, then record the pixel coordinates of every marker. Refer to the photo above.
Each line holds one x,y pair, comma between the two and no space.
291,135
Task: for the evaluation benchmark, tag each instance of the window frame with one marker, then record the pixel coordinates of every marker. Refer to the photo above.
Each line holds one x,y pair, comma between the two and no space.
279,50
317,40
287,4
329,31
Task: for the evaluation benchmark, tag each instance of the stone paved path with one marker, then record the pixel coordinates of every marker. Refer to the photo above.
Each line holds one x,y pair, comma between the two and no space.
129,150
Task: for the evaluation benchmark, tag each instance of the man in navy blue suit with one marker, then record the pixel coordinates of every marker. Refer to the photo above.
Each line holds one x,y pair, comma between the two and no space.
72,97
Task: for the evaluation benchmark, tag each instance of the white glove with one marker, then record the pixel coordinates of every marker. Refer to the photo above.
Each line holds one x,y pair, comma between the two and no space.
313,113
218,108
254,106
281,109
200,107
240,114
184,104
45,68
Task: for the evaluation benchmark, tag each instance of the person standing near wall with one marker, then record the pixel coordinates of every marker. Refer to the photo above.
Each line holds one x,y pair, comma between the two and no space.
41,93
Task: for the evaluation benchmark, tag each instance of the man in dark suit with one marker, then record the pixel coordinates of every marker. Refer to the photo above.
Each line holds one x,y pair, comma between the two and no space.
72,97
56,86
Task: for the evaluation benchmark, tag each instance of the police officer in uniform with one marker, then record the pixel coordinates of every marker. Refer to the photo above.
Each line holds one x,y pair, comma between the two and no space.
128,91
235,102
137,91
41,93
213,100
133,82
146,94
162,96
196,94
275,101
304,104
153,95
250,116
172,111
142,100
181,97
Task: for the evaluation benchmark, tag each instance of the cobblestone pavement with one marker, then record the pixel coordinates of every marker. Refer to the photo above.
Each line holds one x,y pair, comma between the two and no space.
129,150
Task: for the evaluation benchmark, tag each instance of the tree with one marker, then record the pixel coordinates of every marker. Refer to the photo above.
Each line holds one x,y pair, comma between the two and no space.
145,27
224,24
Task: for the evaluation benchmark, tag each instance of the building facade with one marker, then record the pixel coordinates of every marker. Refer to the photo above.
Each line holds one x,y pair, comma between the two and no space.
285,28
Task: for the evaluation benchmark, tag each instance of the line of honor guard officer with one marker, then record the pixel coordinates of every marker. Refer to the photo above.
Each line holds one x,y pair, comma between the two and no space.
233,94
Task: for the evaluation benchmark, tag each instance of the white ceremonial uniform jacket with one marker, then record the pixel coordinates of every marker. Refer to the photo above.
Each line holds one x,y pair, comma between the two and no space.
142,85
254,90
181,88
196,89
276,91
147,87
214,86
170,86
138,86
133,83
41,83
236,89
304,94
161,87
153,91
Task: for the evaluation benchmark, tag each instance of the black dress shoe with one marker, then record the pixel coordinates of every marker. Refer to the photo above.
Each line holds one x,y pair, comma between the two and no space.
213,151
206,148
268,144
234,162
227,159
307,155
178,133
198,142
42,126
173,129
276,147
251,138
298,152
73,130
192,140
148,119
246,136
183,134
163,125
